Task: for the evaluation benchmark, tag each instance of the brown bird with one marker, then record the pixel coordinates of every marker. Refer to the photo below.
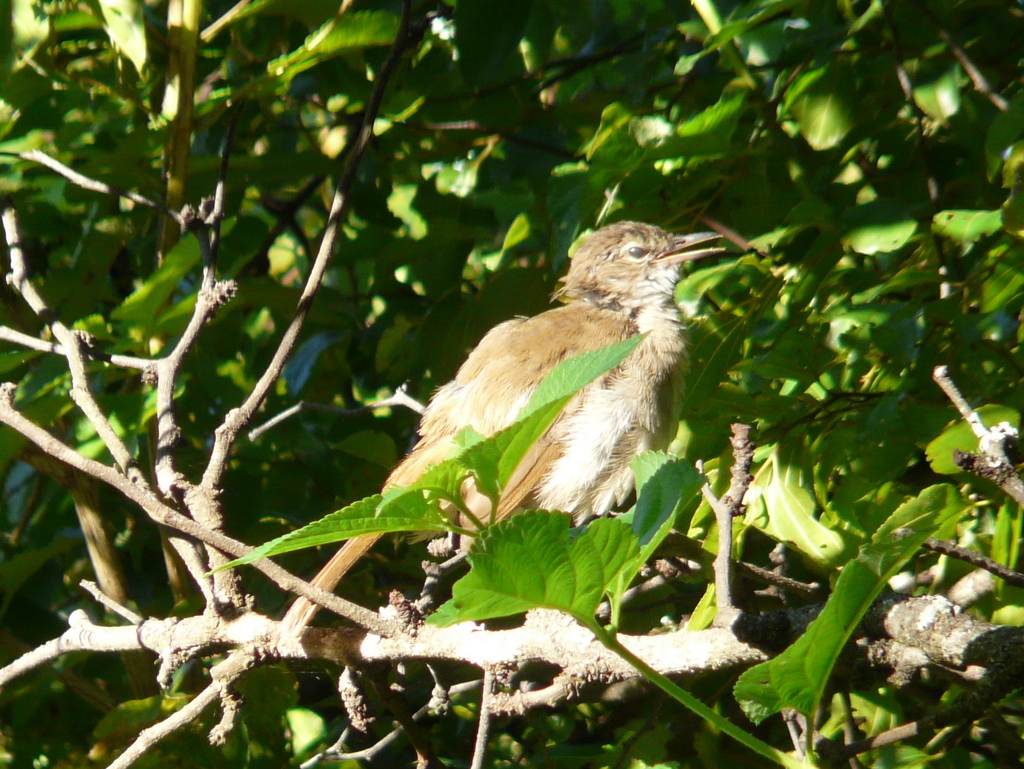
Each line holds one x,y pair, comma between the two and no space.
620,283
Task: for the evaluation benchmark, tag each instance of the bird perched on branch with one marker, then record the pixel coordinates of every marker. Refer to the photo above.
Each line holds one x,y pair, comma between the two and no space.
620,283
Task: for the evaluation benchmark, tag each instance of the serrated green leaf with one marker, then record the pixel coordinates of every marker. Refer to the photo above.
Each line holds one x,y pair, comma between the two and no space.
576,373
664,483
493,460
534,560
407,510
797,678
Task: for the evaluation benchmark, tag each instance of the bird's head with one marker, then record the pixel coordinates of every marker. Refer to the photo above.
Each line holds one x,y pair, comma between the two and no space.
631,265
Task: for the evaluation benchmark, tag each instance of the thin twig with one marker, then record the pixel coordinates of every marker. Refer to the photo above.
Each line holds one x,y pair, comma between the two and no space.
334,753
1009,576
224,673
237,419
85,182
123,611
941,376
978,80
400,398
167,516
994,464
726,509
483,724
33,343
72,343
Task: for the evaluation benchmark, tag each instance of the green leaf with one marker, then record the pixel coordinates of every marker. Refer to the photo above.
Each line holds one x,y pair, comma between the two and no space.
959,435
16,571
534,560
518,231
798,677
707,133
351,31
967,226
1005,129
821,102
940,96
143,304
300,366
493,460
30,26
878,227
790,509
126,28
576,373
664,483
406,510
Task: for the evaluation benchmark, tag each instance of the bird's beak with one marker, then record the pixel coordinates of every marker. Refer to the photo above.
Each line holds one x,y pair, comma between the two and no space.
685,248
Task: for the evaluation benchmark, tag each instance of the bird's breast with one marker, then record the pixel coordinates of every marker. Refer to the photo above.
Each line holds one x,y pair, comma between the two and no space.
627,411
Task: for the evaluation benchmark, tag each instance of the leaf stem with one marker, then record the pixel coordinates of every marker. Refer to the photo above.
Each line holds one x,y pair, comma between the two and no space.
688,700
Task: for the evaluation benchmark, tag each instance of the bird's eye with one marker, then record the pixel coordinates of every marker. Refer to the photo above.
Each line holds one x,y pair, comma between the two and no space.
636,252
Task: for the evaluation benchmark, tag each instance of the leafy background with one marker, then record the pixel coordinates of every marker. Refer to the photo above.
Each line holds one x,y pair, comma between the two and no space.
870,153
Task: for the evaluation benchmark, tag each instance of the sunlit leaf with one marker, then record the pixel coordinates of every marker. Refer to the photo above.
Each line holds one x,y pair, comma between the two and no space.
967,226
878,227
531,560
798,677
127,29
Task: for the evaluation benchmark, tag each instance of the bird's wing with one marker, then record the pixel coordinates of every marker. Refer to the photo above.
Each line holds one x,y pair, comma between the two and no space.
499,378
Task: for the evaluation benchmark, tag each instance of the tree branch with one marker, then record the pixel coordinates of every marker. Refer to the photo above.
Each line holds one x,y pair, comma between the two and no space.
237,419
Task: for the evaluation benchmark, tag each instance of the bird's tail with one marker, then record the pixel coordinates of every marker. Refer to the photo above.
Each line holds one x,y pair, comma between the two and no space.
303,610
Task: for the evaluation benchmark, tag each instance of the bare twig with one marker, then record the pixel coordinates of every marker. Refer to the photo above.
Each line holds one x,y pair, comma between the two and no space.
93,589
167,516
726,509
1009,576
483,724
434,572
85,182
223,674
31,342
238,418
335,752
732,236
211,296
994,464
73,344
400,398
808,589
978,80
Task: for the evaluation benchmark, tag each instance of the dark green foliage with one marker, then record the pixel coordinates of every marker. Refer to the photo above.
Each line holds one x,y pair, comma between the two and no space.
884,228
